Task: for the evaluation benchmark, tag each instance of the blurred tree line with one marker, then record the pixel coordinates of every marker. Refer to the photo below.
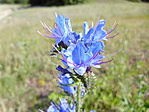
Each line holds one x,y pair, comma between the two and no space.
56,2
14,1
52,2
44,2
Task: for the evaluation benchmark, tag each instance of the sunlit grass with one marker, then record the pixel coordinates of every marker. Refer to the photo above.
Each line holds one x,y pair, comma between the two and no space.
26,75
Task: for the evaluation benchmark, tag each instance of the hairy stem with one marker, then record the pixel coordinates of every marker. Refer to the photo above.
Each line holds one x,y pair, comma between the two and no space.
79,98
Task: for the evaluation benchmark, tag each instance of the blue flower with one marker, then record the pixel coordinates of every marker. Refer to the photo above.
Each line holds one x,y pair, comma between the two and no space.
62,107
65,80
92,111
80,56
95,33
62,31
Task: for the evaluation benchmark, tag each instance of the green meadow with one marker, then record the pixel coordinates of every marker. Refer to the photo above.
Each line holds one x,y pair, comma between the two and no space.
28,79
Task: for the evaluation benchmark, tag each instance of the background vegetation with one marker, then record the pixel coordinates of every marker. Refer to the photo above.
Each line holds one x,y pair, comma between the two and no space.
44,2
28,77
56,2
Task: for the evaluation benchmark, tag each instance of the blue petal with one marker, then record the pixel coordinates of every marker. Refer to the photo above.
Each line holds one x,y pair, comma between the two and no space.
68,25
86,60
96,33
96,47
88,37
99,32
59,68
65,79
70,90
69,50
63,104
92,111
57,41
86,28
52,108
70,62
65,63
60,22
78,52
77,37
64,107
100,35
80,70
102,23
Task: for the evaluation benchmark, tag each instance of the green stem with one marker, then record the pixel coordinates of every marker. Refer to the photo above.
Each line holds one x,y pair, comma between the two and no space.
79,98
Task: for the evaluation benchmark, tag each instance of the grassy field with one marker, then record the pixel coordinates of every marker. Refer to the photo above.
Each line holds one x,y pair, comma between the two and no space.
28,79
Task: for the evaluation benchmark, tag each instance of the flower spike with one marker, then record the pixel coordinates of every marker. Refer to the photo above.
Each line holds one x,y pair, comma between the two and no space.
79,52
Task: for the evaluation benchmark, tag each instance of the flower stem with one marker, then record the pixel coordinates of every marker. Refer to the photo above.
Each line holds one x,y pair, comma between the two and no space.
79,98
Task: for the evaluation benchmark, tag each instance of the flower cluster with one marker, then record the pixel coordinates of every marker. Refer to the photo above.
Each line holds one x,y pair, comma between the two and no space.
62,107
65,80
79,53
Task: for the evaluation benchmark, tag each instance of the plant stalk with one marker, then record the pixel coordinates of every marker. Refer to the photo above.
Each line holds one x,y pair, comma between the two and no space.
79,98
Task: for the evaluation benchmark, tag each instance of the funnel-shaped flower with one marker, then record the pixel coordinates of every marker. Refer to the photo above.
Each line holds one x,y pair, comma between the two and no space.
62,107
65,80
95,33
62,31
80,56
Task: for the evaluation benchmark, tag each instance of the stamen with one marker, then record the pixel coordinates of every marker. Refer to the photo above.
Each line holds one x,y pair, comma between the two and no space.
98,19
112,36
56,14
49,33
104,62
58,36
50,30
44,35
111,27
92,24
107,56
112,54
53,63
112,30
41,23
40,110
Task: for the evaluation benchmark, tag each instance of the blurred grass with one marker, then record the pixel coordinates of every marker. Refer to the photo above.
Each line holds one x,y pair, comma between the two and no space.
28,79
